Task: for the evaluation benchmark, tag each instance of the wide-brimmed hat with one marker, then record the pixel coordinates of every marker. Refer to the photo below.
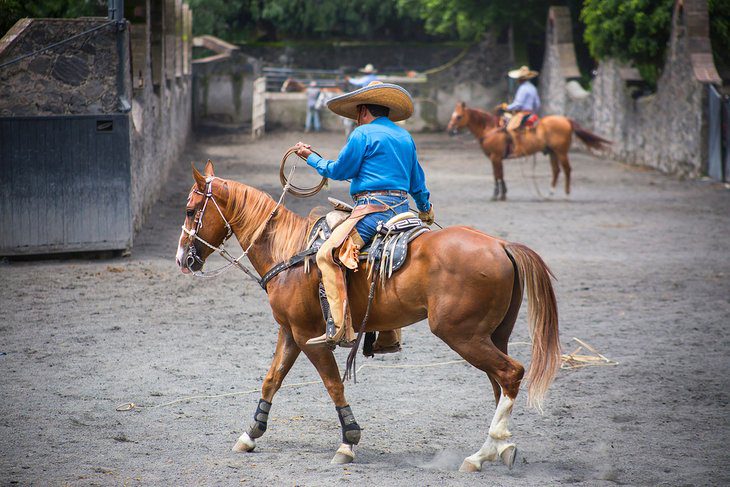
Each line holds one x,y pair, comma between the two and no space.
368,69
523,73
376,93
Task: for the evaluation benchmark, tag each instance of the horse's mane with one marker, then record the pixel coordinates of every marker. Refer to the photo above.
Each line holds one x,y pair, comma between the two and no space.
248,208
482,116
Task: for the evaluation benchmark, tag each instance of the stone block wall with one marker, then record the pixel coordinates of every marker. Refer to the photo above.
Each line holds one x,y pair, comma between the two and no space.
223,84
79,77
161,112
136,70
476,75
665,130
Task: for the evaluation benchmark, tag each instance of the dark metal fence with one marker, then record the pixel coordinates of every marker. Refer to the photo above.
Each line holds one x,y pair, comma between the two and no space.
275,77
65,184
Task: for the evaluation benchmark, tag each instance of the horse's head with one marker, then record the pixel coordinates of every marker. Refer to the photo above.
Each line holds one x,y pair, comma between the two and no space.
204,221
459,119
292,85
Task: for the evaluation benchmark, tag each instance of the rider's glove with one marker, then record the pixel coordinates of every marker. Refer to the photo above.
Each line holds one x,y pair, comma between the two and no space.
427,216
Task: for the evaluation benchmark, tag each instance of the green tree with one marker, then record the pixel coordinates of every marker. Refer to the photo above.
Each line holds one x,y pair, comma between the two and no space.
272,20
719,11
633,31
13,10
470,19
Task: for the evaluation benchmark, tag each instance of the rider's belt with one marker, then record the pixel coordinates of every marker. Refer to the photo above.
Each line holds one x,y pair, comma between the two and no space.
383,192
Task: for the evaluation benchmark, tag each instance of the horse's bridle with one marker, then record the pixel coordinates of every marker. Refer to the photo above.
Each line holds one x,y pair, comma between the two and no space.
192,255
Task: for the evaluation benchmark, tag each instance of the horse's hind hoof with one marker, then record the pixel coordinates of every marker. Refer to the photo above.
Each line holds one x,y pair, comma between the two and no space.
508,456
244,444
468,467
344,455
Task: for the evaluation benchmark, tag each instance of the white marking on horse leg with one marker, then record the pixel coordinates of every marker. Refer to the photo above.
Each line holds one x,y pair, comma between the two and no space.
345,454
491,450
245,443
498,429
496,443
488,452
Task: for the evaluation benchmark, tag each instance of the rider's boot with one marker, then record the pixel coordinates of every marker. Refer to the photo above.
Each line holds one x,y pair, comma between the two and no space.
339,327
387,342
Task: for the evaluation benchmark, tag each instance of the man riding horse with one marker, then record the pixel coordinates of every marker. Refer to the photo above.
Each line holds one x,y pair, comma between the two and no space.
380,160
522,112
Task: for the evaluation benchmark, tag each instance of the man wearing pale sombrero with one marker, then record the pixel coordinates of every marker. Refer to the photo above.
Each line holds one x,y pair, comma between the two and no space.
522,112
380,160
369,74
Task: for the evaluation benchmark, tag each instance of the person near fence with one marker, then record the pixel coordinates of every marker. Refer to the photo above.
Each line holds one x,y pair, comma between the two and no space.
381,161
312,123
369,74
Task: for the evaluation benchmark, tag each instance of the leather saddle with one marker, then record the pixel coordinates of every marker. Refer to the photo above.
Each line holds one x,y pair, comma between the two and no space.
390,244
389,247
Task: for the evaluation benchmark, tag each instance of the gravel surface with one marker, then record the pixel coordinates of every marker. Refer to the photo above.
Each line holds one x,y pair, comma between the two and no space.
643,275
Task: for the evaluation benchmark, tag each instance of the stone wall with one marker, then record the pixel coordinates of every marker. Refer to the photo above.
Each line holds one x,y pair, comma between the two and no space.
77,78
223,84
350,56
161,108
665,130
141,69
476,74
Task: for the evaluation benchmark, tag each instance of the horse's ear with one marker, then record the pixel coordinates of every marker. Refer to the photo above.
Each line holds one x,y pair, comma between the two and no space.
463,105
208,171
199,178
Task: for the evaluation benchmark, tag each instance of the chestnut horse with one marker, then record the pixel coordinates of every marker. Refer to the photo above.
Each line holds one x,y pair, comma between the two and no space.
476,321
553,135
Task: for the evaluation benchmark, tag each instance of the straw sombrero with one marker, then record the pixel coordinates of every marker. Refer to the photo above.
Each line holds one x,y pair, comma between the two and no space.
368,69
523,73
376,93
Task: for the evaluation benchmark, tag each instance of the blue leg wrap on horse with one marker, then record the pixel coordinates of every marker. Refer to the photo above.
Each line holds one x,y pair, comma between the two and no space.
260,418
350,428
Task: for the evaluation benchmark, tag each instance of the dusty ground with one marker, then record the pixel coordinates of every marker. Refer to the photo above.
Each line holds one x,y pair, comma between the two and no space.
643,275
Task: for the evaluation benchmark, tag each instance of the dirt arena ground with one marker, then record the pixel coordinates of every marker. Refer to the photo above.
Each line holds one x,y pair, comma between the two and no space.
643,274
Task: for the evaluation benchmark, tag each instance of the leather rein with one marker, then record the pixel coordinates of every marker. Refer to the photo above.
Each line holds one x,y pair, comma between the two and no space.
192,256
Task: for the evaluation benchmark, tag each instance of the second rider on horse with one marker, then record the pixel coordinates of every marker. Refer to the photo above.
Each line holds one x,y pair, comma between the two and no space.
380,160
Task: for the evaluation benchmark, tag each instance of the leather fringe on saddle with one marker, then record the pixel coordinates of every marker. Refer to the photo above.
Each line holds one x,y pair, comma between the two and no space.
350,371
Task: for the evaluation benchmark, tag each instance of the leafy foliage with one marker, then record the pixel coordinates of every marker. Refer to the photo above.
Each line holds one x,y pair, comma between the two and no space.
629,30
469,19
719,11
273,20
13,10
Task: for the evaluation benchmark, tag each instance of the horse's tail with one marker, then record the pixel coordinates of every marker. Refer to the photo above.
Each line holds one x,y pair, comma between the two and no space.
542,318
589,138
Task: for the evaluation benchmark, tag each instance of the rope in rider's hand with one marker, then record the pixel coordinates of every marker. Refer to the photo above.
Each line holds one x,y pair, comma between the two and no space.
290,187
307,192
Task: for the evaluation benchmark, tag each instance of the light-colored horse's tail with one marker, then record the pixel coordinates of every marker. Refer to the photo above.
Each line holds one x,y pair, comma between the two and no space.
589,138
542,318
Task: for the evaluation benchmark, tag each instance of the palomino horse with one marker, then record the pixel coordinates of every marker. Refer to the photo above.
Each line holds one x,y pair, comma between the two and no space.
553,135
476,321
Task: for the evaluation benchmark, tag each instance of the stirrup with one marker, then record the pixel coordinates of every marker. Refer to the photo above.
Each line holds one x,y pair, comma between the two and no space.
332,336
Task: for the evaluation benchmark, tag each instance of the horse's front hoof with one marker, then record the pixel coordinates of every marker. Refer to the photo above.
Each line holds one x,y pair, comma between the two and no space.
508,456
244,444
467,466
344,455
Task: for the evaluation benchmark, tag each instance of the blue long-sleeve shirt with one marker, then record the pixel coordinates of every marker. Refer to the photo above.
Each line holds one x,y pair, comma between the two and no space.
378,156
526,98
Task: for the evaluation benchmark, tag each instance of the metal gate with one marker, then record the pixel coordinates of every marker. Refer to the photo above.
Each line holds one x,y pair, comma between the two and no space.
65,184
718,137
714,136
258,117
